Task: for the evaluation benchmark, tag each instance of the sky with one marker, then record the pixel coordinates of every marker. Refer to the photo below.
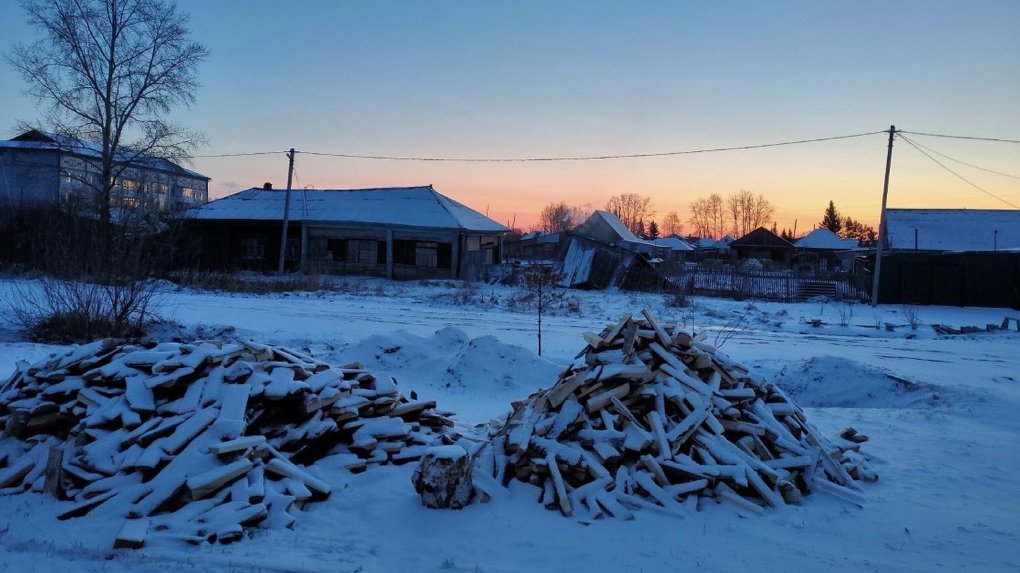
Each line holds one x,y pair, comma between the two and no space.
565,78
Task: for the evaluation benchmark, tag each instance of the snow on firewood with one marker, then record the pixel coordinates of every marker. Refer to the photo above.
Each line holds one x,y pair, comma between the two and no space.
651,416
199,441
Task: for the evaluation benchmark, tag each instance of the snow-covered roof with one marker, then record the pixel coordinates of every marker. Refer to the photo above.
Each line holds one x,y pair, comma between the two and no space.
824,239
711,243
673,243
40,140
617,225
422,207
953,229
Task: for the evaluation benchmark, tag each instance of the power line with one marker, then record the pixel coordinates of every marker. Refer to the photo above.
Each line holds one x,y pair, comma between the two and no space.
973,138
588,157
961,177
978,167
237,154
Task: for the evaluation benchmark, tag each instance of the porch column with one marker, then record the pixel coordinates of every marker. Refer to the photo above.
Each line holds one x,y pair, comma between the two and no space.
389,254
455,255
304,248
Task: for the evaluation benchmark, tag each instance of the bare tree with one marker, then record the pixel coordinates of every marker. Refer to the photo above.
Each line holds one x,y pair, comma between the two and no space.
708,216
557,217
631,208
111,71
748,212
671,224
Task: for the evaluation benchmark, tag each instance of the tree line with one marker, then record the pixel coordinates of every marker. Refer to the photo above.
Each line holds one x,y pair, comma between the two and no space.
713,216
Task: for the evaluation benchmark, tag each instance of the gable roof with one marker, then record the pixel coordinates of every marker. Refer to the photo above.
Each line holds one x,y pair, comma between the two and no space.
41,140
762,237
952,229
421,207
673,243
825,240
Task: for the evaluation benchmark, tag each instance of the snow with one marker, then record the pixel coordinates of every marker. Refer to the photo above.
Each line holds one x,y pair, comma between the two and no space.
940,412
826,240
673,243
406,206
953,229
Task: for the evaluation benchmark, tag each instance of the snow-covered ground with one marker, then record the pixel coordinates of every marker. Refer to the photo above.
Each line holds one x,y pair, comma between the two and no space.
941,412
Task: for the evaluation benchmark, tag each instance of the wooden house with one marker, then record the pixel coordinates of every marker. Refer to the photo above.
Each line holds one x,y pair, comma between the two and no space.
396,232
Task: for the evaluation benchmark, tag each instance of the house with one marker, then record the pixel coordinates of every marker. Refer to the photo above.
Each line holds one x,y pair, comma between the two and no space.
978,230
957,257
534,246
763,245
38,168
602,252
608,228
394,232
823,250
677,248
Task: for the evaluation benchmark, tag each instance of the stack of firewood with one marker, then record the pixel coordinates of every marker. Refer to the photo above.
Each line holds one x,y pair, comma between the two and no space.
651,416
199,441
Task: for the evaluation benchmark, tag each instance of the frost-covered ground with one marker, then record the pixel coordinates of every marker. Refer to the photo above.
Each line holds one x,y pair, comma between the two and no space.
941,412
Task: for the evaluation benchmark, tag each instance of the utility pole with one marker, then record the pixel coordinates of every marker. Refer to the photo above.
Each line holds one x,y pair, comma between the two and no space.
882,231
286,211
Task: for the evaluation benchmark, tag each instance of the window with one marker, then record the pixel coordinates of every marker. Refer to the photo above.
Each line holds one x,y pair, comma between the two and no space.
336,250
426,254
252,248
188,193
403,252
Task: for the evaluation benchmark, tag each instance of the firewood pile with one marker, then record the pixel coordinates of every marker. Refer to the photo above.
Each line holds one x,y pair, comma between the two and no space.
198,441
650,416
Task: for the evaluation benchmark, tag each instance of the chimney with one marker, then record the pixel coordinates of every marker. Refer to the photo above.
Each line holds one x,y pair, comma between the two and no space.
267,186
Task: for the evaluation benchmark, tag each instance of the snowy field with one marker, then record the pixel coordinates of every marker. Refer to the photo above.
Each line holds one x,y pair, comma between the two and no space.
941,412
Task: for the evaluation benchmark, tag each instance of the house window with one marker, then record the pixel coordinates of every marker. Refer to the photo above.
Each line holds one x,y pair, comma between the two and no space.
380,249
426,254
252,248
188,193
337,250
403,252
364,252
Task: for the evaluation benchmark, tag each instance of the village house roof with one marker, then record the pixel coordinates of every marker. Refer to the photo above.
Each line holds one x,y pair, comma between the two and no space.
35,139
673,243
953,229
762,237
420,207
823,239
607,227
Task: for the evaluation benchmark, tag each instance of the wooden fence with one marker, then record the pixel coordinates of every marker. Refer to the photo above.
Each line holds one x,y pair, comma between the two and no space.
784,286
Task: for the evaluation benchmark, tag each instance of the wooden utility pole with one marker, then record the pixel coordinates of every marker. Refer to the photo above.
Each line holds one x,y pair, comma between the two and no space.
881,220
286,211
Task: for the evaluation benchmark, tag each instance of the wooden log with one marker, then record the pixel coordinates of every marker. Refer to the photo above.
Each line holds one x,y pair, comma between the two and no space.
726,493
660,333
599,401
444,478
14,473
564,388
132,534
282,467
54,471
205,483
236,445
561,488
85,506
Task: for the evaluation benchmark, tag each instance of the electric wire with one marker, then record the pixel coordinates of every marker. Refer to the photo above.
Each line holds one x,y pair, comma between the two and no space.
588,157
961,177
237,154
970,137
971,165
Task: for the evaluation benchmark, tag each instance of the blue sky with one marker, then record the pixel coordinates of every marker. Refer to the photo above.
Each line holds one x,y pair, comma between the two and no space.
486,79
